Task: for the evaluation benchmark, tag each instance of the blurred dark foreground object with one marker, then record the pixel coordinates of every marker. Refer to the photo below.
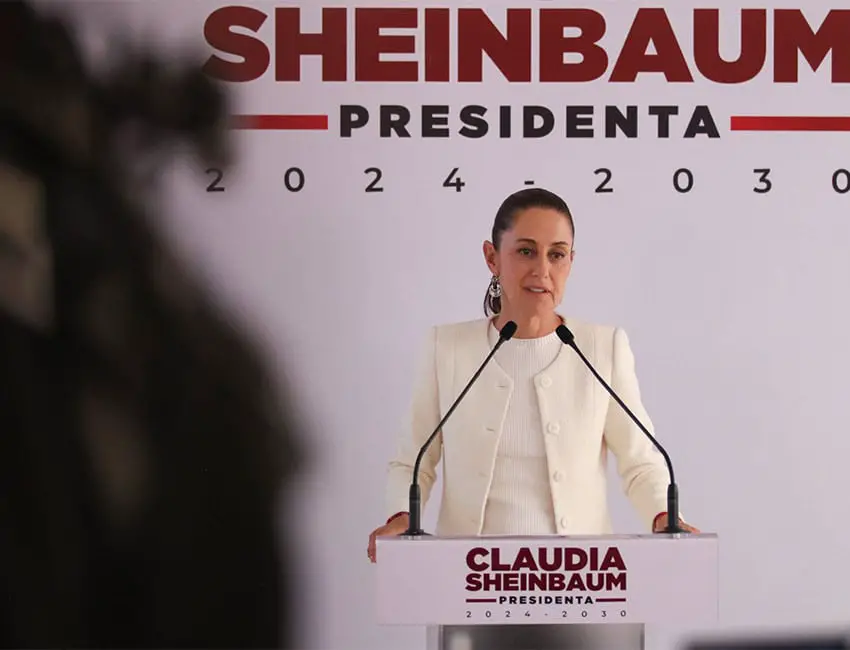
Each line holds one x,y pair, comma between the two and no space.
143,451
776,641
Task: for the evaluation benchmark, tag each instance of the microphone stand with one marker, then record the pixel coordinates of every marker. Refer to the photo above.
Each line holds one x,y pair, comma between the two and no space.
414,528
673,527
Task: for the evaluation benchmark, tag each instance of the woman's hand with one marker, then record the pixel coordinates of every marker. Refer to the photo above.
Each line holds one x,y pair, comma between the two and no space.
660,525
396,527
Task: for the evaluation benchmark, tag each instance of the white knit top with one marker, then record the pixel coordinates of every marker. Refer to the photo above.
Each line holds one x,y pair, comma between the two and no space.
520,499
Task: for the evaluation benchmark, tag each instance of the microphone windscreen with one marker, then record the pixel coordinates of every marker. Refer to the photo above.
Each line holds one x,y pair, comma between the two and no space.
508,330
565,334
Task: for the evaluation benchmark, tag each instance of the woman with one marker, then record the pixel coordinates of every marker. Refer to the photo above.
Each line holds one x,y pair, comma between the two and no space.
526,448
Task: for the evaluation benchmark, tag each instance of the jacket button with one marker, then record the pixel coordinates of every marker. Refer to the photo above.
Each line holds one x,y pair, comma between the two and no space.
545,381
563,523
553,427
557,476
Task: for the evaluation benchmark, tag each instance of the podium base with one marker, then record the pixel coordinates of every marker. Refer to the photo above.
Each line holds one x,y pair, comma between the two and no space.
621,636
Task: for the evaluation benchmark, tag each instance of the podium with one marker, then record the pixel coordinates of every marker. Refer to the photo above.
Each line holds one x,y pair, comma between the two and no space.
542,593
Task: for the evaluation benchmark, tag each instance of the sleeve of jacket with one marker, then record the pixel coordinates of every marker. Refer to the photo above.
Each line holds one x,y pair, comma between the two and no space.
640,465
423,418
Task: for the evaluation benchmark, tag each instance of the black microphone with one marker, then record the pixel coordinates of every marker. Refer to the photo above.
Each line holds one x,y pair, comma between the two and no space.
673,526
414,529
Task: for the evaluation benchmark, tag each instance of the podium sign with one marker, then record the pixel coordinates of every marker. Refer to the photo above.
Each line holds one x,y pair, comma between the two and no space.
547,580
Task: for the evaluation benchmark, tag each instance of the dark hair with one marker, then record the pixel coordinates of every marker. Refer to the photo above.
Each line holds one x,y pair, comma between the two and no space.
144,445
533,197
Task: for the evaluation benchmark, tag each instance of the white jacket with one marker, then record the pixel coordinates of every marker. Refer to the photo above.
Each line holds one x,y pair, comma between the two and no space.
580,420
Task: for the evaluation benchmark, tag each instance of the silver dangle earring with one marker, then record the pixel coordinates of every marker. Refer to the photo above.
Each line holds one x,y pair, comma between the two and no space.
495,289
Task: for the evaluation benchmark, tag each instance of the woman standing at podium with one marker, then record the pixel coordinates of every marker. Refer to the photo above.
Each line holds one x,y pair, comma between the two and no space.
525,452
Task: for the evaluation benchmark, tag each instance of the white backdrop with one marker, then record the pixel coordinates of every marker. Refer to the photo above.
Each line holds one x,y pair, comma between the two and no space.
732,298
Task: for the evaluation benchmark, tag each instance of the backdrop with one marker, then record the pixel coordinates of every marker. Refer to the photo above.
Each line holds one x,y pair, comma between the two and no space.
710,194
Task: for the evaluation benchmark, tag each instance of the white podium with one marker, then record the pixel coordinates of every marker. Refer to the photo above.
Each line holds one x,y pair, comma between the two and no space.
542,593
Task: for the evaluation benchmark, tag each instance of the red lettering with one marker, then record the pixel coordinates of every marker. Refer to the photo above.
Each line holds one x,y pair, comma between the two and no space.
553,45
291,44
651,26
550,564
596,581
539,580
707,46
615,581
613,560
371,44
492,581
651,45
219,35
472,562
575,583
497,564
511,53
565,581
533,560
574,559
524,560
793,34
437,41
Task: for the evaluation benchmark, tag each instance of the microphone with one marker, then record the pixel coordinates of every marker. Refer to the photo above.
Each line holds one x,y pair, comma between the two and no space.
414,529
673,526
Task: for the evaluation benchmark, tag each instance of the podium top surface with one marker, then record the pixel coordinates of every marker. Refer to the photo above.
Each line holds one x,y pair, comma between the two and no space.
557,539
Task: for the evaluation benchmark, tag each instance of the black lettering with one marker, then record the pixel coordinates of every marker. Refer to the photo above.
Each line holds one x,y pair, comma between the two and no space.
664,113
435,121
689,180
603,188
352,116
453,180
395,119
504,121
628,123
766,183
702,123
299,179
577,117
373,184
214,185
475,126
841,181
529,114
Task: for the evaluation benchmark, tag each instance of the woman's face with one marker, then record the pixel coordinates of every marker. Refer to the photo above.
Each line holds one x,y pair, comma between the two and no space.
533,262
